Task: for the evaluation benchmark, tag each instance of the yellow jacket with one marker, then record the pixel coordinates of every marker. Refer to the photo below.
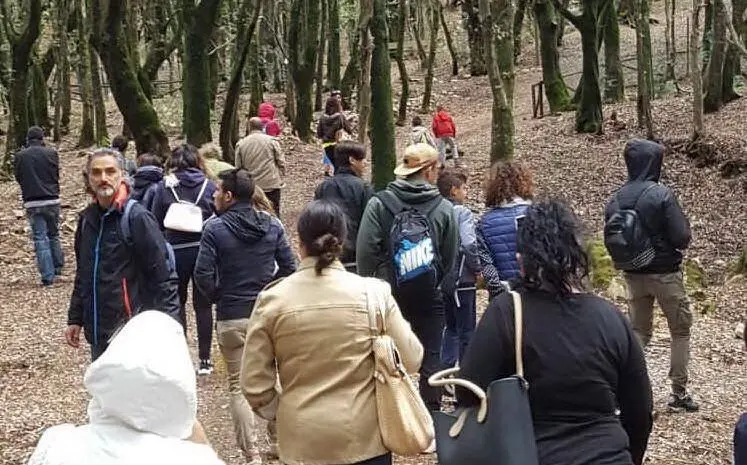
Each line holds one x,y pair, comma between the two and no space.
315,329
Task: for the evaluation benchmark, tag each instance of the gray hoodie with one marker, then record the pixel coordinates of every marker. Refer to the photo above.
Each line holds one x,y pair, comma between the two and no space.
421,135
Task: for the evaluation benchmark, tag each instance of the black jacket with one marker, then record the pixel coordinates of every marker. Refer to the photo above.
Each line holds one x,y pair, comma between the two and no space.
238,255
352,194
129,277
658,208
582,362
145,183
37,170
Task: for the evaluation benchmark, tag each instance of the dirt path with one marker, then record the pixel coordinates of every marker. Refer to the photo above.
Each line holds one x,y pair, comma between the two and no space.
40,379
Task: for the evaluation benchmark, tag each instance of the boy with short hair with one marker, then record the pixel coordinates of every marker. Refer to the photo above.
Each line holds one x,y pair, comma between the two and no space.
460,287
445,131
420,134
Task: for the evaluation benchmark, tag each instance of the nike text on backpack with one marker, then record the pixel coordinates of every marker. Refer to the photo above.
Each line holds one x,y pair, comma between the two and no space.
183,215
411,245
626,237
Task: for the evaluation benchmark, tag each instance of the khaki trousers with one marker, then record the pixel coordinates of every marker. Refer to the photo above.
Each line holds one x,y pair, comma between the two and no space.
669,291
231,338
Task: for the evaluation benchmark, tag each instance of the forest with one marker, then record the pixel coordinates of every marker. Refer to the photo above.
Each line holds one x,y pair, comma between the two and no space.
559,85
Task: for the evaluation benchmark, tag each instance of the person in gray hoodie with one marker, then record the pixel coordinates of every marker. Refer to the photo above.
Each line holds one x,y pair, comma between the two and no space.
420,134
459,289
422,305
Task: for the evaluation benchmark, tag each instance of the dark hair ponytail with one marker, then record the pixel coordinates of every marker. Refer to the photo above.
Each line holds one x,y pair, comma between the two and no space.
321,228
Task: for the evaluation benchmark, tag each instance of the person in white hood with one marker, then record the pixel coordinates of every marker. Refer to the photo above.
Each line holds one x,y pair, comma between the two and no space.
144,405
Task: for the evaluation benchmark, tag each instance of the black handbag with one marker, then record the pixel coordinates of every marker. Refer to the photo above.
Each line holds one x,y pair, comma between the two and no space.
500,430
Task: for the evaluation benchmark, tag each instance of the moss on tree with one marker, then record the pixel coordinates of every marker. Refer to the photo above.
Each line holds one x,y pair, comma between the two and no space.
382,126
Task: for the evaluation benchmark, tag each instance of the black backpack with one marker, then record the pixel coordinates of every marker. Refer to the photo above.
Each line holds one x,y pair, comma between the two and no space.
411,243
626,237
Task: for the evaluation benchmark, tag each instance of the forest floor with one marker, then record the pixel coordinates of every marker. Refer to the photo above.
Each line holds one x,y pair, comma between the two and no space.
41,378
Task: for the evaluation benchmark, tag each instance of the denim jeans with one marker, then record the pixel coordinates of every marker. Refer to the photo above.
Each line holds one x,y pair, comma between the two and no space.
443,144
461,318
45,232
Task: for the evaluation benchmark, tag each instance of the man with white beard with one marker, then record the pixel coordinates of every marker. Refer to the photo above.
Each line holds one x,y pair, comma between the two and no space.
124,264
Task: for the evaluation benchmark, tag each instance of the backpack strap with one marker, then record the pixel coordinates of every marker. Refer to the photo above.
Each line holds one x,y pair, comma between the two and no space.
651,185
390,201
202,191
124,222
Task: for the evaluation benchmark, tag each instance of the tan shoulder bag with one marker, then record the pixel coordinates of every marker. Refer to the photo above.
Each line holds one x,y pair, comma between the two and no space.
405,423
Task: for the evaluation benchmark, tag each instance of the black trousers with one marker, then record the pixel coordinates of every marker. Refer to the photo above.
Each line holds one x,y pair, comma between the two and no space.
274,197
424,309
385,459
185,266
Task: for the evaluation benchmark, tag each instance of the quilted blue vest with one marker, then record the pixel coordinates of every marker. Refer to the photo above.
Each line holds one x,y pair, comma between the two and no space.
498,227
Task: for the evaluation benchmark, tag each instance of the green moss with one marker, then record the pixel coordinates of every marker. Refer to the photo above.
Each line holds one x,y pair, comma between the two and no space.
602,270
695,277
739,266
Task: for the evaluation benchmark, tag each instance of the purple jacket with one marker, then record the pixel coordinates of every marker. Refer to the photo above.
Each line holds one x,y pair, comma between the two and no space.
189,185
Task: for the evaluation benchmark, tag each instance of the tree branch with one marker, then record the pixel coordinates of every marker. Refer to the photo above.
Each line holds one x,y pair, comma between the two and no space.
7,22
573,19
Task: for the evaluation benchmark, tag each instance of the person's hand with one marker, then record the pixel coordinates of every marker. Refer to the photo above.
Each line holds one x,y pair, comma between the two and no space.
72,336
480,281
198,434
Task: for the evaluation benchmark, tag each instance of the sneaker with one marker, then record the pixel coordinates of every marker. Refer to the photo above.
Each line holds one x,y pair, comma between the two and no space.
257,460
206,368
683,403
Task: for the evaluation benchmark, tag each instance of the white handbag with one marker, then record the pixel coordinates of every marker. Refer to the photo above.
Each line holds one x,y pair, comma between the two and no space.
183,215
405,423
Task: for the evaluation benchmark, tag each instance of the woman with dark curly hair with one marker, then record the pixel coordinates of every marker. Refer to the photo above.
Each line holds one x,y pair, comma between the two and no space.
589,389
509,193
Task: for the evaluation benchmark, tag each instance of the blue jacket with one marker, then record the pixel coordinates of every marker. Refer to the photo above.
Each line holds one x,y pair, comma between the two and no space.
188,185
237,259
496,234
145,182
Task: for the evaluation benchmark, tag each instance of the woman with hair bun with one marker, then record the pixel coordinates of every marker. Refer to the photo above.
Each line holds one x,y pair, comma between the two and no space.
312,330
589,388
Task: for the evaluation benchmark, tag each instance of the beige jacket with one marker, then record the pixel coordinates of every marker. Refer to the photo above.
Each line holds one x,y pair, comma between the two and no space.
316,328
262,156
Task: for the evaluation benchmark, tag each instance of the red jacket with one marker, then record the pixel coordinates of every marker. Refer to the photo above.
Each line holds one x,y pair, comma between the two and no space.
443,125
267,114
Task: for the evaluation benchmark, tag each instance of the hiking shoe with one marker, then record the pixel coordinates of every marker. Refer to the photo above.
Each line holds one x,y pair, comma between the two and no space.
206,368
683,403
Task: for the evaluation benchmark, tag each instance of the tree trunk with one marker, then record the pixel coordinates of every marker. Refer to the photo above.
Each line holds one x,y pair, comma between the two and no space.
521,6
698,130
63,73
87,137
670,42
37,102
199,22
715,77
319,75
303,45
352,72
364,86
334,61
384,155
645,68
401,65
474,38
589,111
435,18
449,43
257,91
496,17
99,107
416,35
121,71
229,121
614,80
555,88
21,46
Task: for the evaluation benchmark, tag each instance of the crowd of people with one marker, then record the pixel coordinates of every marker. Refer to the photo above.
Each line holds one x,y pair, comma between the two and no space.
295,334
